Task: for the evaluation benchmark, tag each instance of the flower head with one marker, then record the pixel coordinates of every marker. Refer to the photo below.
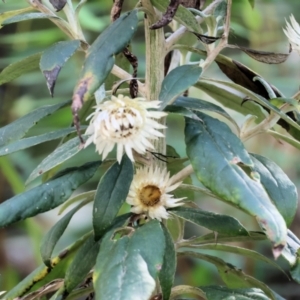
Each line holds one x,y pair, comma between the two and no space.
292,31
126,123
149,192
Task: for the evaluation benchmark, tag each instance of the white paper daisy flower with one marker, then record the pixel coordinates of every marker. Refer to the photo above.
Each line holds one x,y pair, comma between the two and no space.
292,31
126,123
149,193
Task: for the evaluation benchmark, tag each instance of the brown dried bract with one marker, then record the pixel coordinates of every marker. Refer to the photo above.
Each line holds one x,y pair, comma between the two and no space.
116,10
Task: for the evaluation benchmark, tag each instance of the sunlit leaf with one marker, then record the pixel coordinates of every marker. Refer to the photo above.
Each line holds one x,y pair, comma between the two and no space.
46,196
132,260
19,68
11,13
29,16
215,153
18,128
54,58
279,187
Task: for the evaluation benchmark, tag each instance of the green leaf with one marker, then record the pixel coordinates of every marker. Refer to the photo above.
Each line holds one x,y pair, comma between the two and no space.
215,222
216,153
18,128
285,138
167,273
133,261
279,187
236,250
251,2
85,258
46,196
202,105
111,194
19,68
60,154
177,81
51,238
29,16
35,140
214,292
42,274
230,97
183,15
9,14
100,56
54,58
232,276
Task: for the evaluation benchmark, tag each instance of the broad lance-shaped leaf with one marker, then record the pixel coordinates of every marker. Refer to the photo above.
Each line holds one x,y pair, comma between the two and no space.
35,140
46,196
167,273
177,81
85,258
100,57
133,261
9,14
19,68
18,128
42,275
219,223
280,188
59,155
231,275
111,194
215,153
51,238
54,58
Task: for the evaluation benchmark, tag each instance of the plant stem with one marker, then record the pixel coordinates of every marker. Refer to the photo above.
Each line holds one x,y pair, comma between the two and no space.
155,55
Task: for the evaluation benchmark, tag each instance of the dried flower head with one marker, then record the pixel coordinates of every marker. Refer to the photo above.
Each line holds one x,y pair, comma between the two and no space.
149,192
126,123
292,31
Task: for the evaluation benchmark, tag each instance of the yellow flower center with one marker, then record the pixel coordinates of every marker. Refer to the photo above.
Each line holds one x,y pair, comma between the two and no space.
150,195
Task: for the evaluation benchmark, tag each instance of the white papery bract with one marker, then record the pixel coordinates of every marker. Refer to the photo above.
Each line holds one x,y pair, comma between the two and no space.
126,123
149,193
292,31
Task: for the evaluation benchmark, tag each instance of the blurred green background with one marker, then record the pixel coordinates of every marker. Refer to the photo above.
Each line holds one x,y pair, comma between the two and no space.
260,29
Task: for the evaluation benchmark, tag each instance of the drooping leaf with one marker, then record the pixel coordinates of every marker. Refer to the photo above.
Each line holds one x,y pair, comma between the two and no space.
29,16
215,222
133,261
111,194
35,140
85,258
45,196
265,57
58,4
280,188
42,275
51,238
183,15
54,58
177,81
167,273
100,57
231,275
215,153
231,98
206,39
202,105
19,68
9,14
18,128
214,292
60,154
